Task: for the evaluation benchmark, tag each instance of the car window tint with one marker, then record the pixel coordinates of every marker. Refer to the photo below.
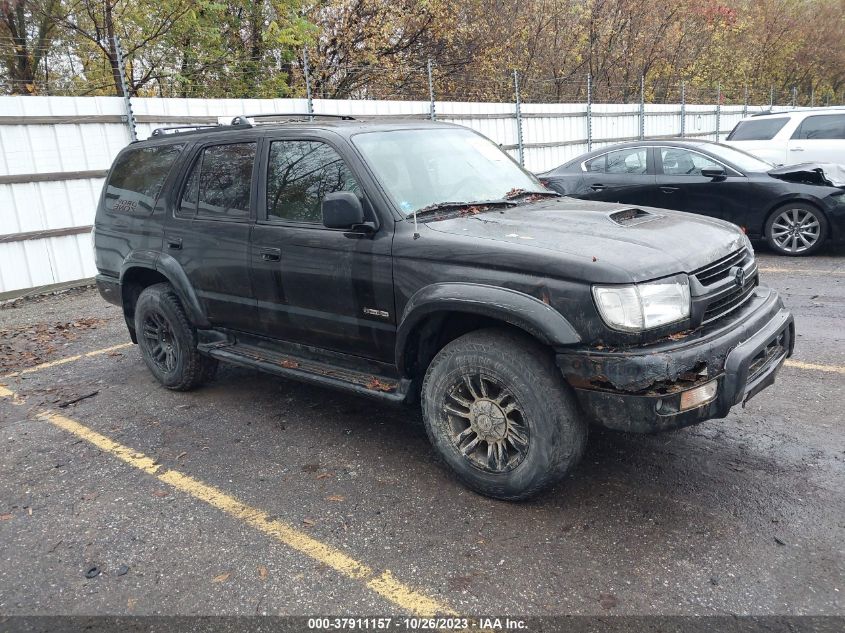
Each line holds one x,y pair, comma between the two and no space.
300,174
757,129
680,162
596,164
224,182
829,126
627,161
138,176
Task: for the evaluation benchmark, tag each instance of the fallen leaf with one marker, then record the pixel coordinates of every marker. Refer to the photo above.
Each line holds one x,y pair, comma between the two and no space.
309,522
160,493
222,577
323,476
181,455
130,603
335,498
29,511
262,572
5,517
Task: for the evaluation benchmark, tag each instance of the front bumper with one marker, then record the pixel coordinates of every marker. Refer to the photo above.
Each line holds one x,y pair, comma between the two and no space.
639,389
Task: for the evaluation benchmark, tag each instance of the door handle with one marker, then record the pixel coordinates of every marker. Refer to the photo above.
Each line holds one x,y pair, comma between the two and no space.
597,187
175,243
271,254
796,149
668,189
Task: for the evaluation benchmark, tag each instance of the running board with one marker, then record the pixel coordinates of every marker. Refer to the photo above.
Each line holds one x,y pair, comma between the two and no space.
307,370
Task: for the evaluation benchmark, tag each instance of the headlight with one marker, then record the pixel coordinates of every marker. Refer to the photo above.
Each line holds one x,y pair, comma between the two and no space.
644,306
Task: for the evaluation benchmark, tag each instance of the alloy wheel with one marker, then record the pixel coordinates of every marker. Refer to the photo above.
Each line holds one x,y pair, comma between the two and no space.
796,230
162,345
486,423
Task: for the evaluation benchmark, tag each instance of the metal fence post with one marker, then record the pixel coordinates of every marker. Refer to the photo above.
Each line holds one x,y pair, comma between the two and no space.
127,103
518,119
794,95
642,107
745,103
683,109
589,112
771,97
812,96
718,110
307,71
430,92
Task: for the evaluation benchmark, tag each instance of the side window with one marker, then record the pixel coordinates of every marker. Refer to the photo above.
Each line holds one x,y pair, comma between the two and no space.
300,174
220,182
597,164
757,129
829,126
138,176
627,161
680,162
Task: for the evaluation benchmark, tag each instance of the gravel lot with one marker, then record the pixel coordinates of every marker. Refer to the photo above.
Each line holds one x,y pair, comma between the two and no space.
738,516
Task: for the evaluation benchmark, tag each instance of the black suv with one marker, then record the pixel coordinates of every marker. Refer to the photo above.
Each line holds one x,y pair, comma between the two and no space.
417,262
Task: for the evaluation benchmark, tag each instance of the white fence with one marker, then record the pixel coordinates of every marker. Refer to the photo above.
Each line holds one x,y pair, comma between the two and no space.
54,153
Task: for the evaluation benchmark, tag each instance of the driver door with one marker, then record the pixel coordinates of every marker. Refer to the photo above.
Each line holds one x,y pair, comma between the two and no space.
624,175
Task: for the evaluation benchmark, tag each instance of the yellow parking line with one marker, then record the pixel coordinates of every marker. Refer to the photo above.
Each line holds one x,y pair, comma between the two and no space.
808,271
837,369
383,583
68,359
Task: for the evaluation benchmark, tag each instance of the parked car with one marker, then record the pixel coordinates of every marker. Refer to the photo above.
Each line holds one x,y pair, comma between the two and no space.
415,262
796,209
799,136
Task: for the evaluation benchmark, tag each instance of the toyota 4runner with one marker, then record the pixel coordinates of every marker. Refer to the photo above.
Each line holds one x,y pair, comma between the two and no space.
416,262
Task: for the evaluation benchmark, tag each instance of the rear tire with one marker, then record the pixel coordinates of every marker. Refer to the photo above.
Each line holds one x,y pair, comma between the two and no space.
796,229
498,412
168,341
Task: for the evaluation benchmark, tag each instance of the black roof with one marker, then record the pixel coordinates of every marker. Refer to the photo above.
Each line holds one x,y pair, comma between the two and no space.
342,125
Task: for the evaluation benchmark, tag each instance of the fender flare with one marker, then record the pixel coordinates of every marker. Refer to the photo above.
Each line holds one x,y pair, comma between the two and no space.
511,306
175,275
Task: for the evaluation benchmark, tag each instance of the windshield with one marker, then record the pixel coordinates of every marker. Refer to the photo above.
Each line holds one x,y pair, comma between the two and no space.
743,160
421,168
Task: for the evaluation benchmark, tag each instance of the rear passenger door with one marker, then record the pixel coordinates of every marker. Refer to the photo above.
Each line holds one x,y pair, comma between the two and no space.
316,286
624,175
818,138
209,233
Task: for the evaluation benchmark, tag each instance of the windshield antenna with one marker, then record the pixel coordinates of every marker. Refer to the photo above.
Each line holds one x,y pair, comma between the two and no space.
416,226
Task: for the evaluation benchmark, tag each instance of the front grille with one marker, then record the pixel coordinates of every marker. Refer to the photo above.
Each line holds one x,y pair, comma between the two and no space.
727,304
719,270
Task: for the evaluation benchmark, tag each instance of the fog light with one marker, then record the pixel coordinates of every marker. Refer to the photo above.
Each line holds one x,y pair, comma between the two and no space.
699,396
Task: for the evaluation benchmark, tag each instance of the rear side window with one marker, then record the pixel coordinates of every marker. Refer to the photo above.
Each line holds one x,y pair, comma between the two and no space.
220,182
300,175
138,176
828,126
631,160
757,129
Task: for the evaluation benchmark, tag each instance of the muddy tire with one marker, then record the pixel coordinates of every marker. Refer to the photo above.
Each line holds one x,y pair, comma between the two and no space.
796,229
168,341
498,412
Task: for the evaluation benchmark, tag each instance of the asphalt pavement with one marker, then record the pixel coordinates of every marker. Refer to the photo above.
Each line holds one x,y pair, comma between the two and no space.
257,495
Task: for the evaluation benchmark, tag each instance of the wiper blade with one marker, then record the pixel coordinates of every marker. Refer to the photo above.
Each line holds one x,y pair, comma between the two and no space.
480,205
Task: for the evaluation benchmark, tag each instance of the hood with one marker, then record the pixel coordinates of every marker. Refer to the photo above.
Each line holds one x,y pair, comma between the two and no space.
616,242
826,174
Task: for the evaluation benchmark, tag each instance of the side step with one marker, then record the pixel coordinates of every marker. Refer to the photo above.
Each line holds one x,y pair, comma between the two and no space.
307,370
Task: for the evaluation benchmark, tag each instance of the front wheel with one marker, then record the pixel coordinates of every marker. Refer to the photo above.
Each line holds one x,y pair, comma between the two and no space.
498,412
796,229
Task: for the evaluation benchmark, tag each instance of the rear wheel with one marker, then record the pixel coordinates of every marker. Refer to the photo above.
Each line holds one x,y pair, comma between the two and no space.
168,341
796,229
498,412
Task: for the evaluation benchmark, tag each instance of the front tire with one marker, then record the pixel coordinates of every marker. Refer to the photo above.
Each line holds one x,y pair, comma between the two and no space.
796,229
168,341
498,412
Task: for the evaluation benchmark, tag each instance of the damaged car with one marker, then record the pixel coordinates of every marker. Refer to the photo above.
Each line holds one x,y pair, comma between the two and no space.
796,209
416,263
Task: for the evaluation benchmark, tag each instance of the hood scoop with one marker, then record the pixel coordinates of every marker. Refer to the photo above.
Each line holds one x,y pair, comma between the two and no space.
632,217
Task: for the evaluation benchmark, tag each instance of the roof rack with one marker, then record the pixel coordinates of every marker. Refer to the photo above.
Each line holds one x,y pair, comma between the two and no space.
180,129
244,118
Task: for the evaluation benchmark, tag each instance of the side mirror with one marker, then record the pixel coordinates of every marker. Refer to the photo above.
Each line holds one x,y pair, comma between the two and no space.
717,173
342,210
